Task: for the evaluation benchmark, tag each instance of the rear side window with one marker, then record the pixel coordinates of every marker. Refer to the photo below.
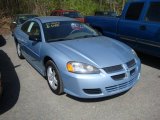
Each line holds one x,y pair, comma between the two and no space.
25,26
134,11
153,13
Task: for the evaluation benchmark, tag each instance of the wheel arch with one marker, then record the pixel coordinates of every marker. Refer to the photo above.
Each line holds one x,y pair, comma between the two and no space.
15,40
47,58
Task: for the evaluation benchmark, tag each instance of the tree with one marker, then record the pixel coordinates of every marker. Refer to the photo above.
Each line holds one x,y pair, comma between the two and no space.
123,3
43,7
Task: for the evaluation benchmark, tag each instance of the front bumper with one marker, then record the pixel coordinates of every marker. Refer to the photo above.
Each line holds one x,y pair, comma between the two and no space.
99,85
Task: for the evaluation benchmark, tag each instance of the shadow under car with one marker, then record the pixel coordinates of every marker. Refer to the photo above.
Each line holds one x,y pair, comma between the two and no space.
10,81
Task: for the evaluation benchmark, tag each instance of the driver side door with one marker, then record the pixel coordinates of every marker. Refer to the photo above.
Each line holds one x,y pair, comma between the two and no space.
34,43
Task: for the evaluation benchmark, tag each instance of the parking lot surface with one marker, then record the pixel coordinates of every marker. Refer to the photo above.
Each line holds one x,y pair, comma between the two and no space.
27,96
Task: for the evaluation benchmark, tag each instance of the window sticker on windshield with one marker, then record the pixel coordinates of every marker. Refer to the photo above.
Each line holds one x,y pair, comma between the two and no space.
52,25
76,26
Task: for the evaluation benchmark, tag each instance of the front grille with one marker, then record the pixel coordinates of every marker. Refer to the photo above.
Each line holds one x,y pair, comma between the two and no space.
93,91
118,77
113,69
120,86
121,71
131,63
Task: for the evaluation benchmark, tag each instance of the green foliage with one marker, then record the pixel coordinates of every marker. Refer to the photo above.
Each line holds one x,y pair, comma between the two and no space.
85,6
44,7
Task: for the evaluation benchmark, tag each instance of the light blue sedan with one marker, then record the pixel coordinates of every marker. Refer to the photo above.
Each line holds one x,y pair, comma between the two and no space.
75,59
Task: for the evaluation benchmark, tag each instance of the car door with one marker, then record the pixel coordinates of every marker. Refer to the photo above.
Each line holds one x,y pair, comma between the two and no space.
23,38
129,27
34,43
149,40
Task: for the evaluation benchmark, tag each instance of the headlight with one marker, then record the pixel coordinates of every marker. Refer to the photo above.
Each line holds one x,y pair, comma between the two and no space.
134,53
82,68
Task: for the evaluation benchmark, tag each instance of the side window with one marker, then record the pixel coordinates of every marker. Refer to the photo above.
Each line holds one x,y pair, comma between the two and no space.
25,26
34,30
13,19
153,13
134,11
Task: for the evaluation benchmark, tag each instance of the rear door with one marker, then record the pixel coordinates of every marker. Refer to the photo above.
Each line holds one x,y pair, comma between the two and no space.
130,27
149,39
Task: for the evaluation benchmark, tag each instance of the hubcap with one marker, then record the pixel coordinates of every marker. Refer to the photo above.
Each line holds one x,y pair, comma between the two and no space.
18,50
52,79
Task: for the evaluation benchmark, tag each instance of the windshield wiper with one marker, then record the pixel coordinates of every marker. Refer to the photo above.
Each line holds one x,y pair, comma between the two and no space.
86,36
60,39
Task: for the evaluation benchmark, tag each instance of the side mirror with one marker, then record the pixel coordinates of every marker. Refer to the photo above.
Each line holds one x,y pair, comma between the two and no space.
14,22
34,38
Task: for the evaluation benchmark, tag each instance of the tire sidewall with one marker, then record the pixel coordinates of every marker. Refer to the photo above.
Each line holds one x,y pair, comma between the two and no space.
18,46
59,90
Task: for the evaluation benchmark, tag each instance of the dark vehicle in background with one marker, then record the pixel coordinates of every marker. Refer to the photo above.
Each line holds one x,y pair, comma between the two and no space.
20,19
68,13
0,86
138,26
106,13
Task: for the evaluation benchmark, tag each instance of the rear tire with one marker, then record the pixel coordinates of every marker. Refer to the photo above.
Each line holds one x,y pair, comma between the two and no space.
53,78
19,53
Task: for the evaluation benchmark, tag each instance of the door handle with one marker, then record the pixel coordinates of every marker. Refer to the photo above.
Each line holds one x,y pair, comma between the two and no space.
142,27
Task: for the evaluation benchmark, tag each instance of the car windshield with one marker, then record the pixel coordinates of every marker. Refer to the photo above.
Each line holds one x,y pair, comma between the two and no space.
67,30
72,14
24,18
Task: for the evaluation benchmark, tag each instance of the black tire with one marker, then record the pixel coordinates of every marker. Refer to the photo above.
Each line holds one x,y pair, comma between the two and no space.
19,53
57,87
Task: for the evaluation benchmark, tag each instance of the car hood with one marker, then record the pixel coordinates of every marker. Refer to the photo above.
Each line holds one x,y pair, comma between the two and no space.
98,51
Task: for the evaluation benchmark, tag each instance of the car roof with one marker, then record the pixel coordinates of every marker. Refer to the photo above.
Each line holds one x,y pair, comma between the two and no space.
142,0
26,14
61,10
46,19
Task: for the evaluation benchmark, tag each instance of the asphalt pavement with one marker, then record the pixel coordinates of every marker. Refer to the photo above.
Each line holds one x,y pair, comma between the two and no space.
27,95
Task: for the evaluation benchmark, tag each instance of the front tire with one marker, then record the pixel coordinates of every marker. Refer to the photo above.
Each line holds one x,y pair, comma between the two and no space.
53,77
19,53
